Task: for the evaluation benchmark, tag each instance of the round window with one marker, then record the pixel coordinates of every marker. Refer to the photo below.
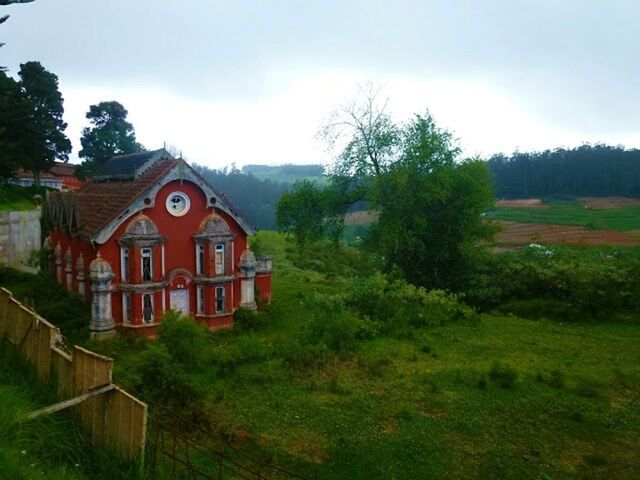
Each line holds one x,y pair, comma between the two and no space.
178,204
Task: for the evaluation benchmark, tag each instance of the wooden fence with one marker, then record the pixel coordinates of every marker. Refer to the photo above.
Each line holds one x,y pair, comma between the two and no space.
110,415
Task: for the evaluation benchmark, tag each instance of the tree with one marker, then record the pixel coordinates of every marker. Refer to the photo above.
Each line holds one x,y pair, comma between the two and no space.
40,89
365,135
110,134
430,208
300,212
17,129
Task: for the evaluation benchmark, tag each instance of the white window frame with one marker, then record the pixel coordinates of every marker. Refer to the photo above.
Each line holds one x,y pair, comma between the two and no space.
220,289
219,248
126,317
200,261
200,300
124,264
185,199
143,255
143,296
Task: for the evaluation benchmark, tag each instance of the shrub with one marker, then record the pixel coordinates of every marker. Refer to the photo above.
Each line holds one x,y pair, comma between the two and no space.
184,339
246,320
504,375
163,382
337,331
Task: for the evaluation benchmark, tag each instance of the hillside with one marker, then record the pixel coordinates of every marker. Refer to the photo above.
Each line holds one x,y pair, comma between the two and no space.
287,173
406,391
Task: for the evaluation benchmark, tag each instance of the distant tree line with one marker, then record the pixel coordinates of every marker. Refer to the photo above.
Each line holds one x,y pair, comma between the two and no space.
588,170
255,198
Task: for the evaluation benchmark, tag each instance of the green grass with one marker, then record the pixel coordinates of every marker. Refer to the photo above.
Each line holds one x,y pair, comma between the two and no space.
499,397
496,396
50,447
572,213
14,198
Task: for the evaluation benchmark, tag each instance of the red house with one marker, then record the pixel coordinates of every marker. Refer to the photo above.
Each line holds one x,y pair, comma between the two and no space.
149,234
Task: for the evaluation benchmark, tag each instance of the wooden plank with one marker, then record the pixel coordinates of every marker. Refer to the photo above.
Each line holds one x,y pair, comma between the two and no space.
68,403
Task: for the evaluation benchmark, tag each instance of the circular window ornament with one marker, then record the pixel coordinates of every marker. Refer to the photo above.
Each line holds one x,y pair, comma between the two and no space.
178,204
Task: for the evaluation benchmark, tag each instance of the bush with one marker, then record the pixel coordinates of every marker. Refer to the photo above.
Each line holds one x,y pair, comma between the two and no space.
337,332
184,339
247,320
164,383
503,375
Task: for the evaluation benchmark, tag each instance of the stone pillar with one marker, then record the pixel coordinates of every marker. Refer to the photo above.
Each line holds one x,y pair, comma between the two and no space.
80,270
101,274
68,268
247,267
57,255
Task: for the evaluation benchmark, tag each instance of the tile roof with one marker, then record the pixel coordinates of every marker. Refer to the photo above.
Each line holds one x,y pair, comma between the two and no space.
129,166
100,202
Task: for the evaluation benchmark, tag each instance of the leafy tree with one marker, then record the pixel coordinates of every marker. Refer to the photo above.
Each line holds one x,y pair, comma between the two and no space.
430,208
301,212
17,129
365,135
48,142
110,134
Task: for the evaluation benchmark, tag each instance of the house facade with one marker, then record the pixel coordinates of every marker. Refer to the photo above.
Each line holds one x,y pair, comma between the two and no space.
149,234
61,176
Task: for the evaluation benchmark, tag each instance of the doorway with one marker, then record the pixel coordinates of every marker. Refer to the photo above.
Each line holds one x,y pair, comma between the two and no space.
179,300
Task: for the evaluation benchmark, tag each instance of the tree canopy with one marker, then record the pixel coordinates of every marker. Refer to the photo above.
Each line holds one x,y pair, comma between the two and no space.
110,134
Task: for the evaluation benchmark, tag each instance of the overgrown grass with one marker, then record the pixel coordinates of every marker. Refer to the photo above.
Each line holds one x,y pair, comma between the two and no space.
50,300
14,198
492,396
49,447
333,380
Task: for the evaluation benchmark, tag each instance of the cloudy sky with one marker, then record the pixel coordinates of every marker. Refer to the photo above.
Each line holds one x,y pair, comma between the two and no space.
251,81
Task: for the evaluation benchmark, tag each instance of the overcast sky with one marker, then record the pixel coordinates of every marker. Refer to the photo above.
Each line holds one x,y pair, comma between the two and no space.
252,81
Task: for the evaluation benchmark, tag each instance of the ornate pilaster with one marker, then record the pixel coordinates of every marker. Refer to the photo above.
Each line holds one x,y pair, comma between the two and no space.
57,256
247,267
80,270
68,268
101,274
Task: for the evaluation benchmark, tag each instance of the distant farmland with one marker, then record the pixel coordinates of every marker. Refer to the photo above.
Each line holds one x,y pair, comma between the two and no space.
584,221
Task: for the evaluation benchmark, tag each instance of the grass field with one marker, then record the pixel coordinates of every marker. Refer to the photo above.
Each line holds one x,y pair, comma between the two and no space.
51,447
577,214
492,396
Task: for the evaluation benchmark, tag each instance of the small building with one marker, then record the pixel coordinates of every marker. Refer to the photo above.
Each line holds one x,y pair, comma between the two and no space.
62,176
149,234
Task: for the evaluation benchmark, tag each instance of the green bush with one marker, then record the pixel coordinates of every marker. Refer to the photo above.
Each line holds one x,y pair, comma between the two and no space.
300,355
336,331
184,339
164,383
567,282
246,320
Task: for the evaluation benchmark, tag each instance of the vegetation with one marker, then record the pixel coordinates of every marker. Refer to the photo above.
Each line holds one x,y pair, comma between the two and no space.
254,197
31,126
589,170
287,173
49,447
14,198
110,134
354,374
572,213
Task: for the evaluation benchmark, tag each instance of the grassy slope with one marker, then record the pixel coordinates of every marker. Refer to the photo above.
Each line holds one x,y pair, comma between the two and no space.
14,198
621,219
426,406
418,407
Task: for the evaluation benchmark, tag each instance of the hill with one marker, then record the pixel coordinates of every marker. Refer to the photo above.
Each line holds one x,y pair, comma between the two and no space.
288,173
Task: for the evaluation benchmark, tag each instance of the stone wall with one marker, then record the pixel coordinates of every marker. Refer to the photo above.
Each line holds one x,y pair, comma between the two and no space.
19,236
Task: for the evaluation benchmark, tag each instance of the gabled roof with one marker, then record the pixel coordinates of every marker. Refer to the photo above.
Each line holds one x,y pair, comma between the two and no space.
130,166
98,208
